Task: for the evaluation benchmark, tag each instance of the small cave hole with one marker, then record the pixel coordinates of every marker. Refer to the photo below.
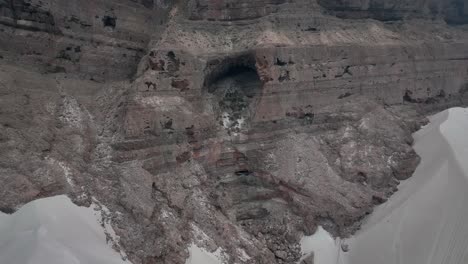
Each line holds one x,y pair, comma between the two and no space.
280,62
109,21
171,55
242,172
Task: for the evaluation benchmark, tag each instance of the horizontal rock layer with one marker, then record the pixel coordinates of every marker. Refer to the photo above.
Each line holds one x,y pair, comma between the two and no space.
232,124
272,109
99,39
452,11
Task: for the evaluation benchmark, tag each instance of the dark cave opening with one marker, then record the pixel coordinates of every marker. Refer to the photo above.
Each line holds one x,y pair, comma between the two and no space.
109,21
233,92
244,77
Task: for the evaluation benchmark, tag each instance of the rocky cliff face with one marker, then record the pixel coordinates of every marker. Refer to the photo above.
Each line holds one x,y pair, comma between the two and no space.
229,124
452,11
230,10
100,40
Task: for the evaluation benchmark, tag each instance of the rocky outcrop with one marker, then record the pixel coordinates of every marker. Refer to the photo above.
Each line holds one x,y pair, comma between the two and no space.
99,40
232,125
231,10
277,121
452,11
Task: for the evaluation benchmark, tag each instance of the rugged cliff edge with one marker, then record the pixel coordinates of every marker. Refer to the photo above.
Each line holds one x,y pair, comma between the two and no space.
234,125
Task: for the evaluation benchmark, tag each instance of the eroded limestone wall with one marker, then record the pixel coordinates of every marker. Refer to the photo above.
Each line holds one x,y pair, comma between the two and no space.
99,39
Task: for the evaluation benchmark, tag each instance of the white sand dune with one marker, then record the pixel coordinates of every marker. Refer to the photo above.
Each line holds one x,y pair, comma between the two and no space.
202,256
426,221
322,245
54,231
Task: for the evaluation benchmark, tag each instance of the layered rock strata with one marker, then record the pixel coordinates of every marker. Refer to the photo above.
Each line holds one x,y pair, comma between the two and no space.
99,40
229,124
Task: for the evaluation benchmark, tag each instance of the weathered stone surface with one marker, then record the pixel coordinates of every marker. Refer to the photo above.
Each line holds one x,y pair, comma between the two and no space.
100,39
240,125
231,10
452,11
345,247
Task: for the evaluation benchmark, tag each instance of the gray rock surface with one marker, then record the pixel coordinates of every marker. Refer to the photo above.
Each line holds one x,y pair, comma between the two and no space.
96,39
452,11
240,125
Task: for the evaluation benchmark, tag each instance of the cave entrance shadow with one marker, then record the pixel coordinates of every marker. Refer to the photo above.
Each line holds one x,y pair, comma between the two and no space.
233,87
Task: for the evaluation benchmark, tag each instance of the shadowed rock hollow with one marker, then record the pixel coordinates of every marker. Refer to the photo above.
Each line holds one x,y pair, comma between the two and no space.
233,95
239,125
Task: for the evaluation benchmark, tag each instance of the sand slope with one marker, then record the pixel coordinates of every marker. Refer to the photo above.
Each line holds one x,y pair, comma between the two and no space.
54,231
426,222
322,245
202,256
